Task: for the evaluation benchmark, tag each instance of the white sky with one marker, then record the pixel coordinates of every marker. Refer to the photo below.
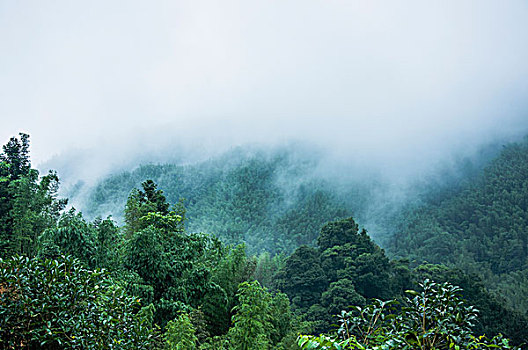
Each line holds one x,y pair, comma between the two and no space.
388,80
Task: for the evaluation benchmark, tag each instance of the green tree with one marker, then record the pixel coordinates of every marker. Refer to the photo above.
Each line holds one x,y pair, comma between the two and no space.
348,253
16,156
180,334
267,267
340,243
302,278
339,233
109,243
27,206
252,325
71,236
478,225
169,267
371,274
149,200
232,269
494,315
341,295
146,255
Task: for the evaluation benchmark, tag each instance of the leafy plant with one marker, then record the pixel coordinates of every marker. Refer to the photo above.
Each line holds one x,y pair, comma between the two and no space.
252,325
180,334
435,318
59,304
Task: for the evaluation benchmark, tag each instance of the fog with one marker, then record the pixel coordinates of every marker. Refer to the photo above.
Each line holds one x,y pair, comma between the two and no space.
396,85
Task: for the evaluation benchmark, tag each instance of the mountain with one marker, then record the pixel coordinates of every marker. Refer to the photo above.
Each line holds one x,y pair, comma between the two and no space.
470,214
276,199
481,227
271,200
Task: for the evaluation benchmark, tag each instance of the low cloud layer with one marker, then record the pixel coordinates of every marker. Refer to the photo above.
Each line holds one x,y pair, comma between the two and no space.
394,83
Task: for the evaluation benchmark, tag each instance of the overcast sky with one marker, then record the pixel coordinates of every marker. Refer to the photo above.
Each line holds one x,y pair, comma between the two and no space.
399,80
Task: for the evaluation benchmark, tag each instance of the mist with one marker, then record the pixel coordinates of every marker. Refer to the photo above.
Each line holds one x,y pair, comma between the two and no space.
391,86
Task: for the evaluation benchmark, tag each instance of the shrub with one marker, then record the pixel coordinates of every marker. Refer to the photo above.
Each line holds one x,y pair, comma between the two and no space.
59,304
435,318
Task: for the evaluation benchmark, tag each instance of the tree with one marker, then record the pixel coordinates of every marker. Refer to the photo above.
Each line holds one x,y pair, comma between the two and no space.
341,295
140,203
232,269
371,273
348,267
494,315
146,255
109,242
168,267
302,278
16,156
252,325
27,206
341,232
72,236
180,334
14,162
341,244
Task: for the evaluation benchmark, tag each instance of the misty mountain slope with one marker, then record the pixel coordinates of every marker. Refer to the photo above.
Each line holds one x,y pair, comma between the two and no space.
270,200
482,228
278,198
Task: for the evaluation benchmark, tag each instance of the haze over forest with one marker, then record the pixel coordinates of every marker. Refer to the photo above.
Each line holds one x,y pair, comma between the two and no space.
237,174
398,85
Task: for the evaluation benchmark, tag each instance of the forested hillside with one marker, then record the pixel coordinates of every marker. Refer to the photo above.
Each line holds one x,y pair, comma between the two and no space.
67,282
275,200
272,201
481,228
471,215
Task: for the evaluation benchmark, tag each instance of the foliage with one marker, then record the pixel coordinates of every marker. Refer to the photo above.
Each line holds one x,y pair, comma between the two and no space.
231,270
302,277
71,236
341,295
176,269
180,334
494,315
252,325
171,269
56,304
270,202
480,228
16,156
435,318
201,293
261,320
267,266
149,207
27,206
346,268
109,242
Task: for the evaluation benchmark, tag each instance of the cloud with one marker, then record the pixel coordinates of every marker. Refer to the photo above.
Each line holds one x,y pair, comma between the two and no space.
394,83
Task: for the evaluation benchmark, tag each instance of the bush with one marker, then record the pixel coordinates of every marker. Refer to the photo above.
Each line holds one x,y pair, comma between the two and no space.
58,304
435,318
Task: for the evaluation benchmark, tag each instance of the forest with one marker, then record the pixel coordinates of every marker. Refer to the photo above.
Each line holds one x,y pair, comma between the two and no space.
251,253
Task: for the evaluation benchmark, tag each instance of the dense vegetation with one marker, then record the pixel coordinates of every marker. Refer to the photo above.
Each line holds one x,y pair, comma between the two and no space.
270,201
59,303
435,318
69,282
482,228
159,287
